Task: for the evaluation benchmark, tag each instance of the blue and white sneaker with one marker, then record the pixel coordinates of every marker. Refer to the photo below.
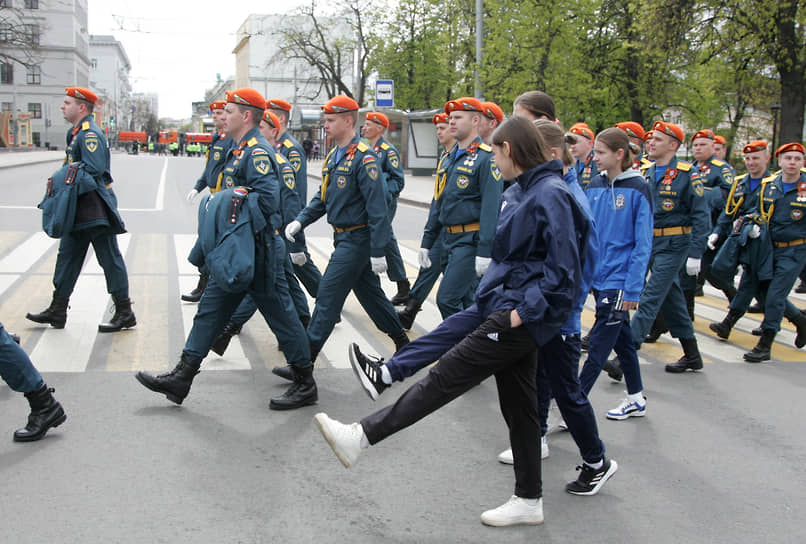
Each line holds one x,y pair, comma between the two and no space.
626,409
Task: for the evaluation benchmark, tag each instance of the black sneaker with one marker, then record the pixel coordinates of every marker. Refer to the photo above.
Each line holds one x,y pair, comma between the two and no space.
591,480
585,342
613,369
368,372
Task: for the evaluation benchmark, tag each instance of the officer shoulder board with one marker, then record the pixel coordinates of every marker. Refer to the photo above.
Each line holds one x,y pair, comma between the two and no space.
741,177
85,125
485,147
287,143
280,159
252,142
683,166
362,147
385,146
717,162
645,164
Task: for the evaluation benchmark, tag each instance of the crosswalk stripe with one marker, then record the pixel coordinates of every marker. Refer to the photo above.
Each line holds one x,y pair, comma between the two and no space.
184,243
23,257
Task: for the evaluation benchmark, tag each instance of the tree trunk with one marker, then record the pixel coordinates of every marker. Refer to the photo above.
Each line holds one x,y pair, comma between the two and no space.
792,104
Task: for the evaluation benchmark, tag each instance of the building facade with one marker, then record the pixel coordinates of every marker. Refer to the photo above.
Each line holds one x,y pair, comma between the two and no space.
109,79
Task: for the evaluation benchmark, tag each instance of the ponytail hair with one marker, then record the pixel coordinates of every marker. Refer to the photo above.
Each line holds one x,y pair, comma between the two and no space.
614,139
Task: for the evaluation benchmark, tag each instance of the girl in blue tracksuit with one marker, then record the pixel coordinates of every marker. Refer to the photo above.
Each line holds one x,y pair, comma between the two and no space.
522,302
622,209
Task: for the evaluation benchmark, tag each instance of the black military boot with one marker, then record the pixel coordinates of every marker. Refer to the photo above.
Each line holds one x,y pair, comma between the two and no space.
690,303
690,360
286,372
658,327
800,324
407,315
400,340
301,393
196,294
730,292
123,318
174,384
756,308
55,314
723,328
802,287
222,341
46,412
402,296
761,351
613,369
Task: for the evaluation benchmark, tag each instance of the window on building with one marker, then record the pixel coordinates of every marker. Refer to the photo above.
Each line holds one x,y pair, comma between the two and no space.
7,106
32,34
32,4
94,63
37,138
6,73
36,109
6,32
5,4
34,76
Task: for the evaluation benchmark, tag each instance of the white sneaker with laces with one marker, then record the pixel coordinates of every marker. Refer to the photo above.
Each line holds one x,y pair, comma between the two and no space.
626,409
345,440
506,458
516,511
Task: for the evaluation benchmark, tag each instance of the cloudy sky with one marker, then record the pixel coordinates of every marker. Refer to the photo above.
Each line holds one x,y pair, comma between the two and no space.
176,47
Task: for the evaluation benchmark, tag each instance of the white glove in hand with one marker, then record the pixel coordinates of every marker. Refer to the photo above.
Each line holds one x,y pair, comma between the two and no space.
423,258
755,231
298,258
191,195
712,240
482,263
291,229
378,265
692,266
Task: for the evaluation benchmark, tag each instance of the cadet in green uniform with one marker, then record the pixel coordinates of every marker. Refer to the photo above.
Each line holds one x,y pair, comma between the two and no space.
469,188
97,221
391,175
782,209
250,165
355,204
680,220
580,137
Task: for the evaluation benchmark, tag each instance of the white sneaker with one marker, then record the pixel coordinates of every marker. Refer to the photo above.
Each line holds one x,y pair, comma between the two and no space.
506,458
514,512
345,440
626,409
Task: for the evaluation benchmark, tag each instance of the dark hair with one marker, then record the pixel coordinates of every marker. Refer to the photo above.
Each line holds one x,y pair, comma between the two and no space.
614,139
257,113
527,146
554,136
537,103
282,115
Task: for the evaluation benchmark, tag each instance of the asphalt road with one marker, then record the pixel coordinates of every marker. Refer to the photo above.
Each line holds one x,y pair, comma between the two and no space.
719,457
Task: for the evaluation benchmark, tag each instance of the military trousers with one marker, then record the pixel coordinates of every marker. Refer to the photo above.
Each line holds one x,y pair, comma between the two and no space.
787,264
459,281
16,367
394,262
72,251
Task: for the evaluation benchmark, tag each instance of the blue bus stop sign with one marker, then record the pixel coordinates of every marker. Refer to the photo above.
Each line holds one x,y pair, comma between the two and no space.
385,93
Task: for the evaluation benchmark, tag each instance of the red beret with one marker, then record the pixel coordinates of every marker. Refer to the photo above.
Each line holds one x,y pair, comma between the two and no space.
378,117
793,146
704,133
271,119
467,103
277,104
440,118
633,129
582,129
82,93
218,105
720,139
493,111
340,104
648,135
669,129
752,147
246,97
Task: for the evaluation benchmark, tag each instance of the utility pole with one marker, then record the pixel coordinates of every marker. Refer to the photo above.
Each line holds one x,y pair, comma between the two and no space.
479,46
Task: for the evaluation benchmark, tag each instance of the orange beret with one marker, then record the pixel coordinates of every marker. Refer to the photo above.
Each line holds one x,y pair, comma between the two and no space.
467,103
793,146
633,129
218,105
648,135
82,93
704,133
720,139
493,111
271,119
752,147
669,129
582,129
440,118
340,104
378,117
277,104
246,97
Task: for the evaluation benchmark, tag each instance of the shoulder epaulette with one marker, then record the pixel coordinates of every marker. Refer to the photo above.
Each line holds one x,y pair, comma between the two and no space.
646,163
485,147
717,162
741,177
280,159
769,178
362,147
385,146
330,153
288,143
803,170
683,166
85,125
252,142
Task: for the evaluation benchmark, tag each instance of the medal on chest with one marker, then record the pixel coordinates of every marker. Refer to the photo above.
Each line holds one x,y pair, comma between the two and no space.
801,191
471,154
668,177
705,169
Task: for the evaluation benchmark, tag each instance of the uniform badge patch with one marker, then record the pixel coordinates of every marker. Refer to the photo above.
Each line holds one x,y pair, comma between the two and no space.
91,144
217,156
393,159
462,182
261,164
620,202
697,186
497,175
372,171
727,176
295,159
288,177
228,182
668,205
240,191
797,215
341,181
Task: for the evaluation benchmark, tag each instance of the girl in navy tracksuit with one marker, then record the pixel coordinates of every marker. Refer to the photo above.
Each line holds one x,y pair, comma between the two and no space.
622,209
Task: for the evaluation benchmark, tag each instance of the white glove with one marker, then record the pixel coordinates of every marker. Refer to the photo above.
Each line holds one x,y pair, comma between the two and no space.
291,229
298,258
423,258
755,231
378,265
191,195
713,238
482,263
692,266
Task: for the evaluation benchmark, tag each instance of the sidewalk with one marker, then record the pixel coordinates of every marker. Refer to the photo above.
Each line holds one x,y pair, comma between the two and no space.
418,190
9,159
